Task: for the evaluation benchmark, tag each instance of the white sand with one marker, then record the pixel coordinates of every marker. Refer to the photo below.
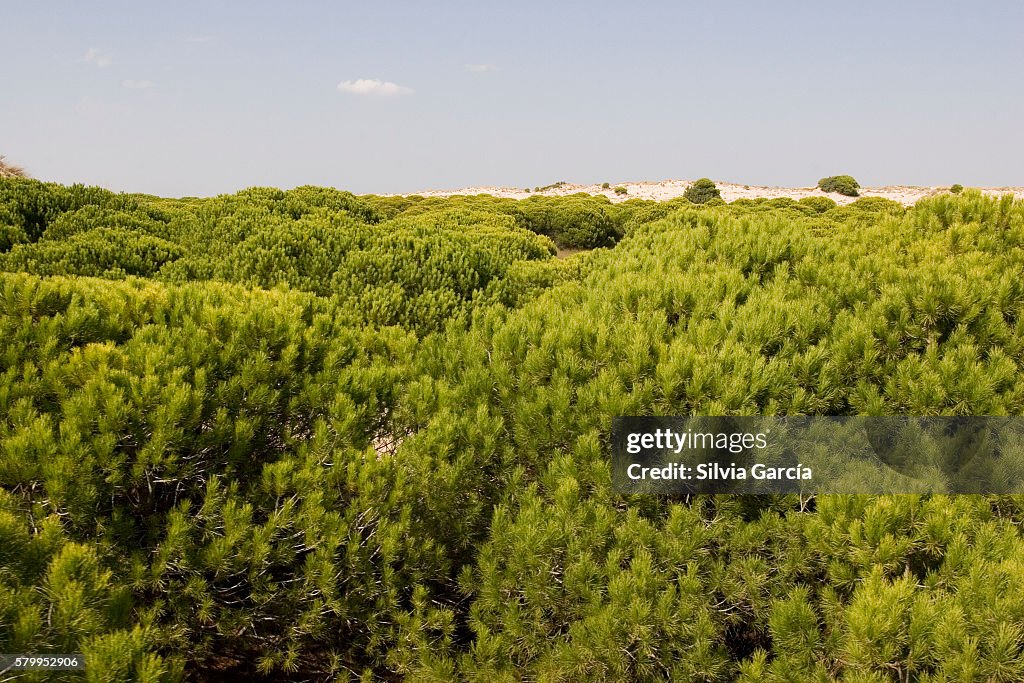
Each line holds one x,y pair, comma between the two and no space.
670,189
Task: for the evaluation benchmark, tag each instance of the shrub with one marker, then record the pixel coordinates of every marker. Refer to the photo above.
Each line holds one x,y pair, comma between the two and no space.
843,184
605,186
702,191
620,190
31,205
389,207
583,222
102,252
11,235
956,188
235,476
818,204
877,205
552,186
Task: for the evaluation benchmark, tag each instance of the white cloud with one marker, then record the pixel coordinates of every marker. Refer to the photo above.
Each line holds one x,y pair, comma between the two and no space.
96,56
133,84
373,86
480,68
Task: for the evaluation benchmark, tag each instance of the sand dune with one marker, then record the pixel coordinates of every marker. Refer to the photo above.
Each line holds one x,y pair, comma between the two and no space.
669,189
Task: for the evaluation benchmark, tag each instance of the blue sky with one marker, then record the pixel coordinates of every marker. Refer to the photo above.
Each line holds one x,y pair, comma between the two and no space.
198,98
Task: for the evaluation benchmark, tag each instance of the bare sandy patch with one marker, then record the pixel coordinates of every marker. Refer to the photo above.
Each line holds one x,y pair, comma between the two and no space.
670,189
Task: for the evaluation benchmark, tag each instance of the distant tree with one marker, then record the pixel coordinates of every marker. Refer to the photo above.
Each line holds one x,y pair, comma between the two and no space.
605,186
843,184
621,190
702,191
956,188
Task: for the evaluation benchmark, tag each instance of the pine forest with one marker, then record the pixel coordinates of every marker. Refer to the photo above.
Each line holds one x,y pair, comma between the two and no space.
306,435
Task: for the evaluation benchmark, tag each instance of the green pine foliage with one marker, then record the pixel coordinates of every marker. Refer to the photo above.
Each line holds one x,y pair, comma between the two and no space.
818,204
843,184
303,435
702,191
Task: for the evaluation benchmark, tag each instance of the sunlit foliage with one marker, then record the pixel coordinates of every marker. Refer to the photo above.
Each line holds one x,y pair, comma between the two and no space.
314,436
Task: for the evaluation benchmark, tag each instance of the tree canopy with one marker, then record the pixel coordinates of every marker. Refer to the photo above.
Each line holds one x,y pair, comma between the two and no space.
305,435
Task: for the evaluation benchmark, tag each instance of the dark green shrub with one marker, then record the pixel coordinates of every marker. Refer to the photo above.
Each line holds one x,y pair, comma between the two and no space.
605,186
818,204
877,205
11,235
389,207
633,213
91,217
102,252
33,205
581,222
956,188
620,190
702,191
843,184
306,199
552,186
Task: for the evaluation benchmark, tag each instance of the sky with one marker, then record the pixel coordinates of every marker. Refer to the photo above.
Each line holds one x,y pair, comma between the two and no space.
202,98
